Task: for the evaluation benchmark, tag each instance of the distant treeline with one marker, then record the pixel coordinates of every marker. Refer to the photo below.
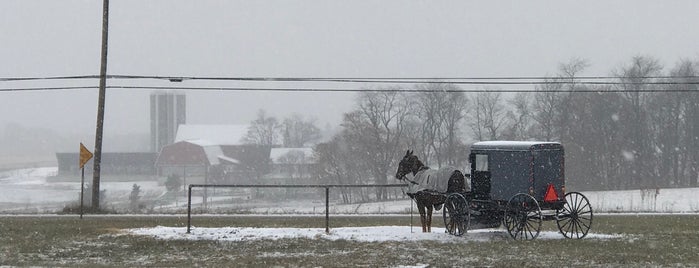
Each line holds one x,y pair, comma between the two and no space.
634,132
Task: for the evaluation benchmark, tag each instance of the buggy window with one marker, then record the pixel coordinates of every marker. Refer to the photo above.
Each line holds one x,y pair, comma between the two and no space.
481,162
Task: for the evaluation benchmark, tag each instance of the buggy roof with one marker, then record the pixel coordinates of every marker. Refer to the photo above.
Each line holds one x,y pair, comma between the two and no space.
515,145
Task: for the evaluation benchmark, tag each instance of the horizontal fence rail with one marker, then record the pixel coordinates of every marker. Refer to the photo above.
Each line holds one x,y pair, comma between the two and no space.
326,186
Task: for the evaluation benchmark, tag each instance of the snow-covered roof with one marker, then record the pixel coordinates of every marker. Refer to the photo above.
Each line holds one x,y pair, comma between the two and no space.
214,134
512,145
213,153
200,142
277,154
228,159
193,152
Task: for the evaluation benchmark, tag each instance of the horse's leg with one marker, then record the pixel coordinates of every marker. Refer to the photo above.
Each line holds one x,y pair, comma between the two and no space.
421,209
429,217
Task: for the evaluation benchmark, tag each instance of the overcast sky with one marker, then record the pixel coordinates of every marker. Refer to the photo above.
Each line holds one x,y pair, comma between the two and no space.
308,39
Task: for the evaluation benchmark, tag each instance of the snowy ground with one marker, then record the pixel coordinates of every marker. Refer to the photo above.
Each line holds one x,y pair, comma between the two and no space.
361,234
32,191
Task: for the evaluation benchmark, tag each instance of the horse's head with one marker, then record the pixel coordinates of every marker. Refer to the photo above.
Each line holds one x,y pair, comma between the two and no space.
408,164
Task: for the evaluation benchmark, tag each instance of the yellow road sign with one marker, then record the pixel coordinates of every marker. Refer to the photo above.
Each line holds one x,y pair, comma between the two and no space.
85,155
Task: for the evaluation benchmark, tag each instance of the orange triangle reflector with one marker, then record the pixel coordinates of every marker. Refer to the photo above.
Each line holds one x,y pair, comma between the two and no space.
551,195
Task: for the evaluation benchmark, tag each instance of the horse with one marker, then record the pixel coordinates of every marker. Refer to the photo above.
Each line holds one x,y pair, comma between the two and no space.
429,187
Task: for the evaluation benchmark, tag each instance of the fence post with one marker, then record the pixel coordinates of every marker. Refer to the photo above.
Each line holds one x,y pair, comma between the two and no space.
327,210
327,196
189,209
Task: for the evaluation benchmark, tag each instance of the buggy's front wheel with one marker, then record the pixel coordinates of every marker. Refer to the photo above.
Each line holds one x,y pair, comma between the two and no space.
523,217
575,218
457,216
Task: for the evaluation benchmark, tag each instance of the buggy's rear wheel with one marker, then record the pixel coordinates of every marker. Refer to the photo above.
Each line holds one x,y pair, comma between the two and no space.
523,217
457,217
575,218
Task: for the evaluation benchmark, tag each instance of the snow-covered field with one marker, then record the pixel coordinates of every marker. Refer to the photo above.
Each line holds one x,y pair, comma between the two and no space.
361,234
28,190
32,191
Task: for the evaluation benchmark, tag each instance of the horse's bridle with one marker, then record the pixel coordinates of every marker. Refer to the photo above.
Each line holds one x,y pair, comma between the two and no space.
404,177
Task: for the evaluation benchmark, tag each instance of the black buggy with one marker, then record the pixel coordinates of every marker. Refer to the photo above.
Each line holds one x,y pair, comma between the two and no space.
518,184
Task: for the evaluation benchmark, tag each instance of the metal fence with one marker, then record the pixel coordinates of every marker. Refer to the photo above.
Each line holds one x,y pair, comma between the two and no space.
327,194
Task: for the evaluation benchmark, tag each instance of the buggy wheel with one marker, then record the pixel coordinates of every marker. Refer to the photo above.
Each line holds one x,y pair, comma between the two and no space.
523,217
575,218
457,217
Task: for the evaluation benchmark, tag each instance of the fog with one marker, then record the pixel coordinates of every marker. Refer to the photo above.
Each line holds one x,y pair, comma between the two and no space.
620,97
300,39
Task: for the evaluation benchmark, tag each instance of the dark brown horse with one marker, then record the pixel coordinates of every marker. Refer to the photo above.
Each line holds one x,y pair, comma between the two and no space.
429,187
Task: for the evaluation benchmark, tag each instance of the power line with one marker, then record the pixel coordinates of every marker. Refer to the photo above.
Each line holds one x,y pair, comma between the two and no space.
77,77
508,80
307,89
484,81
402,90
46,88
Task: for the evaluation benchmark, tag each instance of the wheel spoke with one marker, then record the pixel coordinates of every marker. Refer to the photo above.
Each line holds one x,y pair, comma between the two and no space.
587,226
565,223
531,234
585,218
578,229
523,217
455,212
575,218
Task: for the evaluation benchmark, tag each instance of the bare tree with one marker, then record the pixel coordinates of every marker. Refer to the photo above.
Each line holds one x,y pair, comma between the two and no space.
441,112
546,105
520,117
665,114
568,72
454,113
634,78
299,132
488,115
263,131
338,162
594,140
689,70
674,121
377,127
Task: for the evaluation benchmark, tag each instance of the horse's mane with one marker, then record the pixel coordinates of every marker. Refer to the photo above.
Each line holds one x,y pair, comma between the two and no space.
417,165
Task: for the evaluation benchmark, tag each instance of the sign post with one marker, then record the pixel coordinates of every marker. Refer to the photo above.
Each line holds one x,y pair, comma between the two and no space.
85,155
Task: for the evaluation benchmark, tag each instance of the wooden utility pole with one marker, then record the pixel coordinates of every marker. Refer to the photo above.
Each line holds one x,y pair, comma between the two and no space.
100,108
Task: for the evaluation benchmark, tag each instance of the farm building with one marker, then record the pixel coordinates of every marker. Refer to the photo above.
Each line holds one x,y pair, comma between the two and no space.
214,153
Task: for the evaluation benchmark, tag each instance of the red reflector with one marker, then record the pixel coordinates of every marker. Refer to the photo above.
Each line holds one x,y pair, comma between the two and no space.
551,195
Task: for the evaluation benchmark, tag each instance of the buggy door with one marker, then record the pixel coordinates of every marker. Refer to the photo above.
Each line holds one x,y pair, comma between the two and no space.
547,166
480,176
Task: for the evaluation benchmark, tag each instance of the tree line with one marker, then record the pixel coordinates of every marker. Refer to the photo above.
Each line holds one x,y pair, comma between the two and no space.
632,134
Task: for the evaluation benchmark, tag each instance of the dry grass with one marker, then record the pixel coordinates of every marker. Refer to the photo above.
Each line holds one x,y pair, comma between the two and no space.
67,241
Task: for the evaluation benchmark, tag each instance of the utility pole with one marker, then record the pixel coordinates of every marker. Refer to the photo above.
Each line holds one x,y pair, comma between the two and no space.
100,108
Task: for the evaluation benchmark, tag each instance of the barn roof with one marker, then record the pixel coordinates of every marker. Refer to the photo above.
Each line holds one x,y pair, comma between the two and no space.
191,153
212,134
